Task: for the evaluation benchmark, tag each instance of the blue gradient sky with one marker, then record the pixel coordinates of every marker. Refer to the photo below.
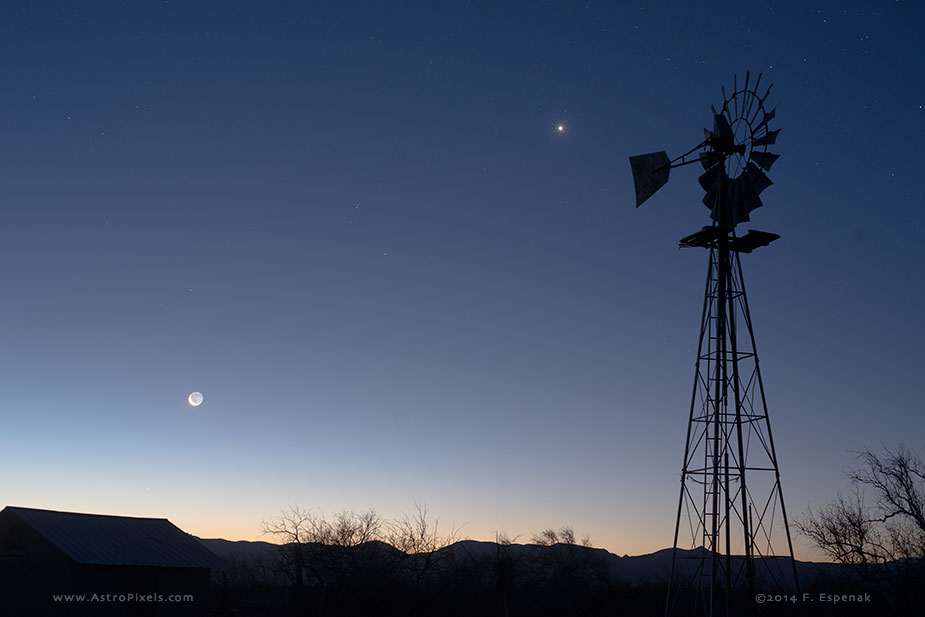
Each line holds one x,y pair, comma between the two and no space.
356,230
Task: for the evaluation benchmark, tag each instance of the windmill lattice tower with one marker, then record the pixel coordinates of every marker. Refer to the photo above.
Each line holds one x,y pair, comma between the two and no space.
731,530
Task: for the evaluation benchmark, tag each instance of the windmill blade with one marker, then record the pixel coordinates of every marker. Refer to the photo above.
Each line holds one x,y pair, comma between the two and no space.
735,192
748,185
753,98
768,116
710,177
711,201
766,94
650,173
721,127
739,213
752,202
741,200
743,208
747,104
757,178
751,183
749,195
767,140
709,159
735,90
760,104
764,159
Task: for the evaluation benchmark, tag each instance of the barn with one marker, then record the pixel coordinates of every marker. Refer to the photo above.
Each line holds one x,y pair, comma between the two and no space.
65,563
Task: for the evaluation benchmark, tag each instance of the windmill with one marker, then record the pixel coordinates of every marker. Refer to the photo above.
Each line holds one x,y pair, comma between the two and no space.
731,530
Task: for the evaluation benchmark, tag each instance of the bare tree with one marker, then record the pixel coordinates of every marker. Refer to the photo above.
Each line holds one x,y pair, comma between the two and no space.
566,535
844,531
898,479
883,541
568,562
420,543
416,533
893,527
322,553
347,550
291,529
350,528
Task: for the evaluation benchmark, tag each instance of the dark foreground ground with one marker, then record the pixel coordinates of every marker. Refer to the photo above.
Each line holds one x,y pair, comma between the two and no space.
477,578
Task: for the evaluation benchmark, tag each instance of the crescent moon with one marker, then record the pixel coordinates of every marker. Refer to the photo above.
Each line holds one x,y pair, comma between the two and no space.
195,399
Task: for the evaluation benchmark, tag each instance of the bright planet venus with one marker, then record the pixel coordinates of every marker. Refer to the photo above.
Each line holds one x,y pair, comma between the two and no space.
195,399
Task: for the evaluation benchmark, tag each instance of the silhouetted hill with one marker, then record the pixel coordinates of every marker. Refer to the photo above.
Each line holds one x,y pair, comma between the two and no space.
240,548
650,568
471,577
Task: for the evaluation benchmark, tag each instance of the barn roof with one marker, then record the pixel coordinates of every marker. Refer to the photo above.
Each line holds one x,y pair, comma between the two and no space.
99,539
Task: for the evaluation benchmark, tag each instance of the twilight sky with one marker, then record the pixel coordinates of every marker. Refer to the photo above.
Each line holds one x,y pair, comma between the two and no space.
356,230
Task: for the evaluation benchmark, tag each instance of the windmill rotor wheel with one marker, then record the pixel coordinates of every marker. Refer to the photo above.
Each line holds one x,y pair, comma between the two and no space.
736,156
746,113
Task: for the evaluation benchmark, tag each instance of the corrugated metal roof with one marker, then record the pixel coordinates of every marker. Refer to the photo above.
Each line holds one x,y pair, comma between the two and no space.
119,540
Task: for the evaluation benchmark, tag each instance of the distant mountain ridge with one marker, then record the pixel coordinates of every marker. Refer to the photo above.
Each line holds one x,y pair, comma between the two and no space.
650,568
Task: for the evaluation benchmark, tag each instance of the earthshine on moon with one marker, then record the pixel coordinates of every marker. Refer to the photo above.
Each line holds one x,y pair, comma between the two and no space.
195,399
